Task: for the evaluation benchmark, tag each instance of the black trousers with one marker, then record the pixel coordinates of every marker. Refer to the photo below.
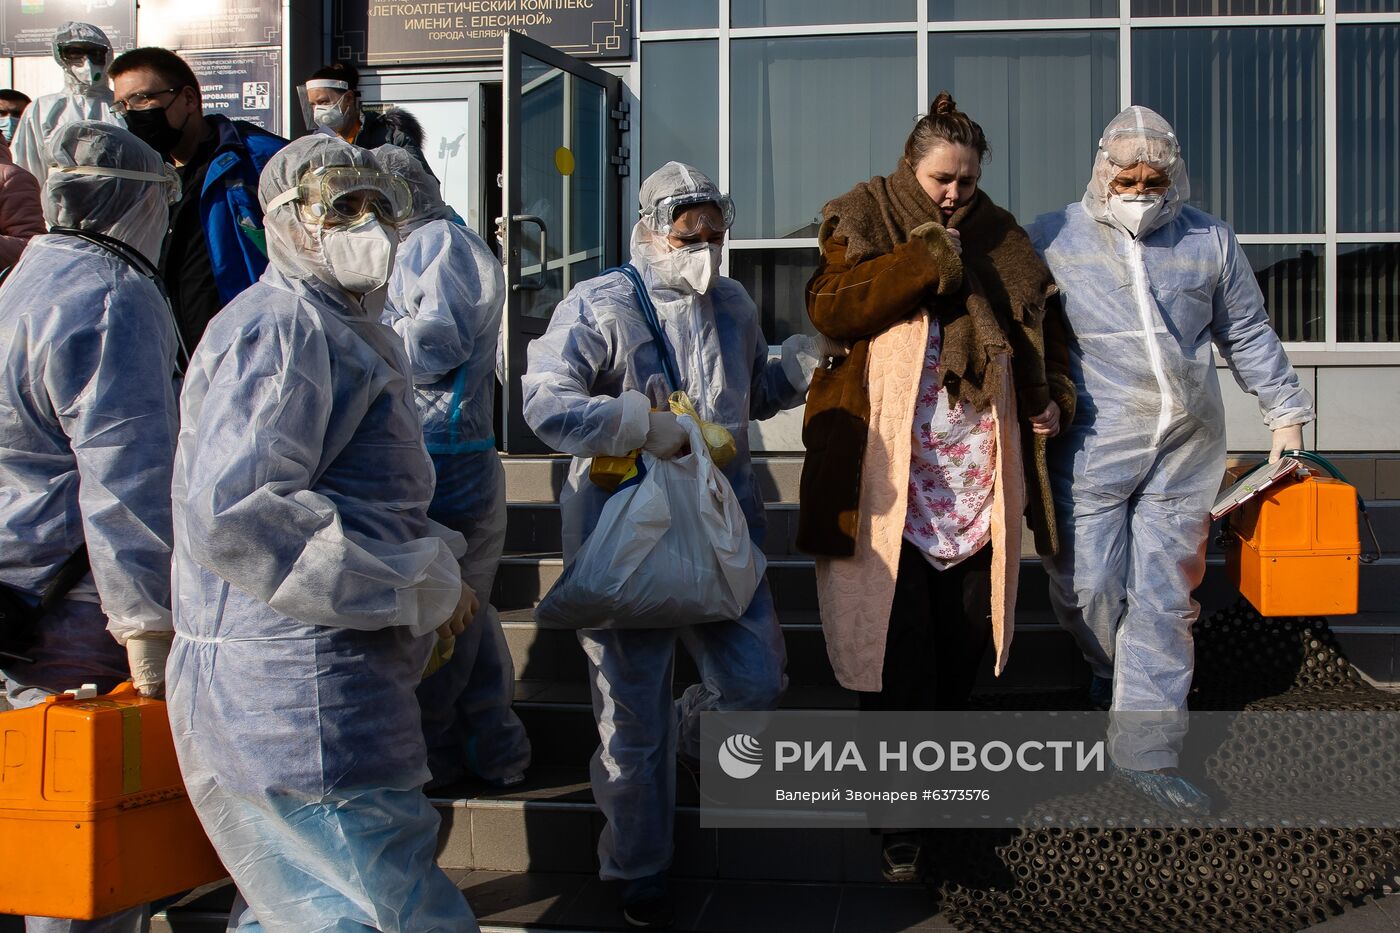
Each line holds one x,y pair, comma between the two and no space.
940,623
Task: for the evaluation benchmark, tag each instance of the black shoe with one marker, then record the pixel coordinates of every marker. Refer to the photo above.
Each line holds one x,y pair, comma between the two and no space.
902,858
647,902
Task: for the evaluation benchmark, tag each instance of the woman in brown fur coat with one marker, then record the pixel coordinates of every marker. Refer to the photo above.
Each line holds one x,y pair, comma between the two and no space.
926,442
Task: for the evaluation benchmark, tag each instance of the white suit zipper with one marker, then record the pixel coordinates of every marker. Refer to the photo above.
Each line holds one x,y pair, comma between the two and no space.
1149,335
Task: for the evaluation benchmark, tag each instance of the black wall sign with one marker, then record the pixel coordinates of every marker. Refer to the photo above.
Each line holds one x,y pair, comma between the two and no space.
210,24
29,24
386,32
241,85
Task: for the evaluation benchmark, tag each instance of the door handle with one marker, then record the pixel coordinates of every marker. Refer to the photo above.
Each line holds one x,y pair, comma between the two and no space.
539,283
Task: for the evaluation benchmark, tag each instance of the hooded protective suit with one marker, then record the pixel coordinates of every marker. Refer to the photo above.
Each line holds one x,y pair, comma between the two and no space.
89,349
592,378
87,95
1135,474
445,301
308,580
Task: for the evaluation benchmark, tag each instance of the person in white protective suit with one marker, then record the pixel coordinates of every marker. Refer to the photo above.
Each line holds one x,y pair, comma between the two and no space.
90,351
84,53
309,580
1149,284
593,381
445,300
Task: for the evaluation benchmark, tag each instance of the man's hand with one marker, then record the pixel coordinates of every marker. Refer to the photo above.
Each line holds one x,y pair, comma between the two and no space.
1047,423
467,605
1289,438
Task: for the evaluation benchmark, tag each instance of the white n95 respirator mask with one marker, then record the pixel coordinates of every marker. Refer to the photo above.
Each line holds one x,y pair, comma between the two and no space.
691,268
360,255
1135,212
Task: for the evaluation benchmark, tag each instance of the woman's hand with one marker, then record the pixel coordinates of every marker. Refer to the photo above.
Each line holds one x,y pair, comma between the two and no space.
956,239
1047,423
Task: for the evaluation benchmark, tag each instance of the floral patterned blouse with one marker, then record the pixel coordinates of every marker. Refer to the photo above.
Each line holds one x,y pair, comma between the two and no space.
951,470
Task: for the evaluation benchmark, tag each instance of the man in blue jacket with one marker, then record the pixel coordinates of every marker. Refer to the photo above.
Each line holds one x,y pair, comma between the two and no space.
215,246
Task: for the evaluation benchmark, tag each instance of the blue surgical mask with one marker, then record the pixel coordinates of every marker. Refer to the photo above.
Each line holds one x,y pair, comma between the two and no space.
7,127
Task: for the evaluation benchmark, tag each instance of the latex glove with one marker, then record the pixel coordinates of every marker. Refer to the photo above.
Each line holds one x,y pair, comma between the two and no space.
1047,423
145,654
955,238
665,436
832,348
801,357
1289,438
467,604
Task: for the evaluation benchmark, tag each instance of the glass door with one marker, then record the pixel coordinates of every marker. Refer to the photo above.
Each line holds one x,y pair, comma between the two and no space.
562,126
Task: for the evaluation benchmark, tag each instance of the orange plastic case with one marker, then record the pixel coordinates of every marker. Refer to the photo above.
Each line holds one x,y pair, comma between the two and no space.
1298,549
94,817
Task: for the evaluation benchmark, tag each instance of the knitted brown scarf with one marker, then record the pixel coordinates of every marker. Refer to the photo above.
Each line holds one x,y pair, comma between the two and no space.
1005,283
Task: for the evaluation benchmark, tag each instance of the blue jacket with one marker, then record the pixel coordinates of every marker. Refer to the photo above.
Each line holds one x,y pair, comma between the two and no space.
228,204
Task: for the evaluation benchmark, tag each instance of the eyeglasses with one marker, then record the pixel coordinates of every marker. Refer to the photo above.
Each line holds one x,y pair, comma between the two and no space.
1116,187
140,100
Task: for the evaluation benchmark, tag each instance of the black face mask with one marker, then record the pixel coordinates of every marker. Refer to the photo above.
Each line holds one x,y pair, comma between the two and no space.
153,129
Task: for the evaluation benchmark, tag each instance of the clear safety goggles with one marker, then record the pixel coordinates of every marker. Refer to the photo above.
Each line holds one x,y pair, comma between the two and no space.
75,53
169,177
1133,146
665,217
343,194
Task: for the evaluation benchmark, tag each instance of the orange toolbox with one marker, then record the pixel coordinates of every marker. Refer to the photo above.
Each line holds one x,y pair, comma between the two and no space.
1297,550
94,817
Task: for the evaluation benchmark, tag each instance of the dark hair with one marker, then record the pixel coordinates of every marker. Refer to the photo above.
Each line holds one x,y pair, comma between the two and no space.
14,96
173,70
340,71
944,123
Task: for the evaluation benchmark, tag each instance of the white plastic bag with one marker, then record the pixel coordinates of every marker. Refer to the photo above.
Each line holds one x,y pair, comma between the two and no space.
672,550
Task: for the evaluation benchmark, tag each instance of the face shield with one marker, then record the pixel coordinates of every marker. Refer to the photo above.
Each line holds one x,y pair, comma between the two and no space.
1137,137
333,104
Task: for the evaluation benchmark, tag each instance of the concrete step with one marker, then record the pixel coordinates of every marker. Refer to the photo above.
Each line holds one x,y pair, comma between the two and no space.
533,527
523,579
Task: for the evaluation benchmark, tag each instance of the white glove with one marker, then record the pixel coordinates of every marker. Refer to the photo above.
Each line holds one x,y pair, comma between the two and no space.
801,357
145,654
1289,438
665,436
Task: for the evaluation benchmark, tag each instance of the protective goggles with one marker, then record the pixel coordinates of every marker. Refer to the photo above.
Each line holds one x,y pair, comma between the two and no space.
663,216
168,177
1134,145
339,195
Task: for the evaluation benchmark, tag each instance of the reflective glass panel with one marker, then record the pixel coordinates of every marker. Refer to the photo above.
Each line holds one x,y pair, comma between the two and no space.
1368,129
1368,292
680,14
818,12
777,280
680,105
1019,9
1291,278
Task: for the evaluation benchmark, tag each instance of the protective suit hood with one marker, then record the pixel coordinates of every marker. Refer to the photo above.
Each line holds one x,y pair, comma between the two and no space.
85,80
428,204
103,179
1137,134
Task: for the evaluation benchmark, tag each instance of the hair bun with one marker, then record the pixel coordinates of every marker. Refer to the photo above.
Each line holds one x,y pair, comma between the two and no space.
943,104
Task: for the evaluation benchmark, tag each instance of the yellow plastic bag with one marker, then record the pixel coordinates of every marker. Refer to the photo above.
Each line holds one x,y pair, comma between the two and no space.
717,436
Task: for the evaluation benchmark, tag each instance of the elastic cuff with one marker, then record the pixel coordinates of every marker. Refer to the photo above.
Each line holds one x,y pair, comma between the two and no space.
124,629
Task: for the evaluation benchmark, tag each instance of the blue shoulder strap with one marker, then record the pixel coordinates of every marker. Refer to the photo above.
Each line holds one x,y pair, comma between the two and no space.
653,322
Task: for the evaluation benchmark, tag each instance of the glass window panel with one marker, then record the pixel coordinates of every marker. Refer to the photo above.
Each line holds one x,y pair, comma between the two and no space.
809,119
1368,132
1247,106
744,13
1042,99
1368,6
1019,9
680,105
1291,278
1368,292
777,280
680,14
1224,7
